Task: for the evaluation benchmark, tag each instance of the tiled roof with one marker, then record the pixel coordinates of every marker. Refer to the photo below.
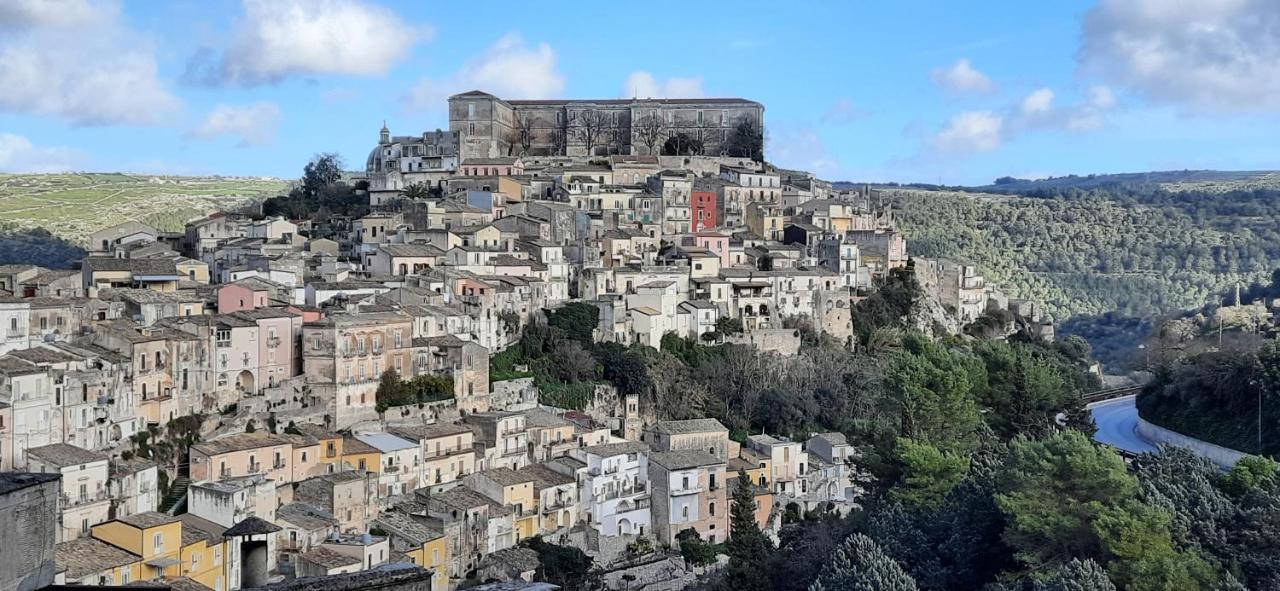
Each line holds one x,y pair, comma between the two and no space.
689,426
88,555
65,454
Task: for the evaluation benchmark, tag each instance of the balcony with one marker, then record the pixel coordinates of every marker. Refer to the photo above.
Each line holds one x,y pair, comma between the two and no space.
273,342
83,499
686,490
393,469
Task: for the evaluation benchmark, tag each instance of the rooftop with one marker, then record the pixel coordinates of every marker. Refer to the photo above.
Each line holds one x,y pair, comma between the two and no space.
88,555
238,442
328,559
65,454
684,459
689,426
147,519
11,481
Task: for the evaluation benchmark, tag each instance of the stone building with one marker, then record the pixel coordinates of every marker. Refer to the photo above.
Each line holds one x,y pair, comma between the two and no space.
399,161
490,127
28,513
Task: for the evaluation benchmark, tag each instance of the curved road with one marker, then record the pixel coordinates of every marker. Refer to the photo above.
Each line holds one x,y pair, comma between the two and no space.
1117,422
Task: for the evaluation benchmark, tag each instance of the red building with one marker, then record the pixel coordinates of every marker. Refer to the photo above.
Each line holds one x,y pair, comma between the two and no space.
703,210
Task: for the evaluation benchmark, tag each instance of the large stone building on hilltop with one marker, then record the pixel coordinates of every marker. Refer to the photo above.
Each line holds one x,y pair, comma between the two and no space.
489,126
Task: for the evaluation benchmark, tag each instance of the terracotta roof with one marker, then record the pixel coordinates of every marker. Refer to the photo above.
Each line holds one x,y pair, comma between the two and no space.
251,526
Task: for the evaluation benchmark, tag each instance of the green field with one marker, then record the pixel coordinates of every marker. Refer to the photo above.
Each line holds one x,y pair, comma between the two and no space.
73,206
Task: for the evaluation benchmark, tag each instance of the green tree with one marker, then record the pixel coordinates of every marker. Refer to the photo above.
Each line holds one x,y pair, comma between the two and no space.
566,566
746,141
694,549
748,548
859,565
1054,491
933,388
1251,473
1078,575
727,326
928,475
416,191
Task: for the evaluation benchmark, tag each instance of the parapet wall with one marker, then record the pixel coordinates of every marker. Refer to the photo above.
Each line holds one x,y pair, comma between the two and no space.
1222,456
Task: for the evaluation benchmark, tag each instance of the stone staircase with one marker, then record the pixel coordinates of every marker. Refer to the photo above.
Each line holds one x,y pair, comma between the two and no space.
176,501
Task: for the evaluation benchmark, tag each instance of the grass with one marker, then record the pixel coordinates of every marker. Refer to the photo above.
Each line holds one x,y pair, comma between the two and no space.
74,205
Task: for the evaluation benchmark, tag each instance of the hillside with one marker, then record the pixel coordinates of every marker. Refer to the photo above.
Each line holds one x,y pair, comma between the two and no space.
1102,255
1174,180
73,205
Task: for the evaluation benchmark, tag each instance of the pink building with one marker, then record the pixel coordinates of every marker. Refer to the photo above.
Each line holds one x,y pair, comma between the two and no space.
277,332
245,294
491,167
243,454
714,242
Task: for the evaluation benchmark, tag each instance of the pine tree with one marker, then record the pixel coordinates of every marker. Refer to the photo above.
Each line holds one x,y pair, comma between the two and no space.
860,565
1078,576
748,547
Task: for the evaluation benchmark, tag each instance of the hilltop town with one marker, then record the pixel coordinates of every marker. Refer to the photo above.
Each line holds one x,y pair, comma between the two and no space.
262,399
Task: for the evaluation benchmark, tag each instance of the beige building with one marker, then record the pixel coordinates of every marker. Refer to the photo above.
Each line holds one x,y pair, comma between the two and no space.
85,500
707,435
350,352
490,127
689,492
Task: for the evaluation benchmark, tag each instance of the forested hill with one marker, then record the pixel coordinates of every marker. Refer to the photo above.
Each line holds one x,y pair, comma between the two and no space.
1118,248
1209,180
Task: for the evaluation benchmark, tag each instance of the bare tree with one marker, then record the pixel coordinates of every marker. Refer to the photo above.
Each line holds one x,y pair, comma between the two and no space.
651,130
590,128
520,138
559,140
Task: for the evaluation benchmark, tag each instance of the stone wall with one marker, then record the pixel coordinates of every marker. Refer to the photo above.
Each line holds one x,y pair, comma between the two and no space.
781,340
1222,456
29,514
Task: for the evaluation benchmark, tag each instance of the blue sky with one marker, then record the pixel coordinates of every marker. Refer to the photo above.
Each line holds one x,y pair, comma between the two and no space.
954,92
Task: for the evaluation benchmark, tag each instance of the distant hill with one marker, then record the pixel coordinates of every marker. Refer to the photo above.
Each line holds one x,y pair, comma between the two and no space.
1223,180
1105,251
71,206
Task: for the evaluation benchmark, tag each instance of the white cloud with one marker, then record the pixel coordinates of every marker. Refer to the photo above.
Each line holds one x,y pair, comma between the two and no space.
254,125
509,69
18,154
1038,102
971,131
801,147
48,13
982,131
642,84
276,39
86,66
1101,97
842,111
962,77
1205,55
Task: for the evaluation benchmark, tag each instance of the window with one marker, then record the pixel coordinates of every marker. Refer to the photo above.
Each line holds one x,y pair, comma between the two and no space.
684,513
712,508
157,542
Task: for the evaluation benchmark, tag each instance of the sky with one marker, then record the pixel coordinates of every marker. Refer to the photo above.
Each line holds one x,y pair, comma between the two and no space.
906,91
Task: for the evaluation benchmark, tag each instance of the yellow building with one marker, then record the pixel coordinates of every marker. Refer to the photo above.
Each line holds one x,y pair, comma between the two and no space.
147,546
154,537
424,546
511,489
361,456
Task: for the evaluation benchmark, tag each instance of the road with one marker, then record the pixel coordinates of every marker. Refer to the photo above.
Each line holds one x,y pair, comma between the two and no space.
1117,422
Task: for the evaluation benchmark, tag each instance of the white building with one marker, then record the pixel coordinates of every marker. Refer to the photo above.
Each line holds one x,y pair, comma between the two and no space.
85,500
615,488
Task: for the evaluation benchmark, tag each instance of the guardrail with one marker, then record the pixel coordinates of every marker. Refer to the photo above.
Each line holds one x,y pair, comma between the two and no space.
1110,394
